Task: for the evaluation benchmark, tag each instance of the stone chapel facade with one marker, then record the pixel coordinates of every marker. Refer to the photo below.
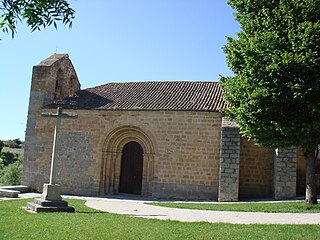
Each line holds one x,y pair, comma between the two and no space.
155,139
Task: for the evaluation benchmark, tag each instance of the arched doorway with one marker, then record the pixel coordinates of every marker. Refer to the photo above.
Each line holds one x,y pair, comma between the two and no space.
112,154
131,168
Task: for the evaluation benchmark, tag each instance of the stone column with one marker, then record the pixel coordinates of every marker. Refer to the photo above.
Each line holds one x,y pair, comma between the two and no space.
117,157
107,185
148,174
285,173
229,162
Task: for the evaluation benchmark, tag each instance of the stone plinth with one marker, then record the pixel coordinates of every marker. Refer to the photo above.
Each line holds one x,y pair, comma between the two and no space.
41,205
50,201
51,192
285,173
9,193
20,188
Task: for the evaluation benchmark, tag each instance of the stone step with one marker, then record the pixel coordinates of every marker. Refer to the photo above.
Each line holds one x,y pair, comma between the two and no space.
9,193
34,207
20,188
31,206
47,203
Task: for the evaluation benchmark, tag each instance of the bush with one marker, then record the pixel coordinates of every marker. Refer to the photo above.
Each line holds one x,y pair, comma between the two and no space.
1,165
1,145
11,167
8,158
11,175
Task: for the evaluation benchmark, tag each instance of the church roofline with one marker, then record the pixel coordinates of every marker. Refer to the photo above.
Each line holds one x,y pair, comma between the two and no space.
149,96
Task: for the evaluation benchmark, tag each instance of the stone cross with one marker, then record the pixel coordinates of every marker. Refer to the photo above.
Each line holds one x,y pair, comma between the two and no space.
59,115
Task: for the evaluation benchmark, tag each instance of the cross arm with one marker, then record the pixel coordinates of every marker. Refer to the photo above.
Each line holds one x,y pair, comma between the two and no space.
59,114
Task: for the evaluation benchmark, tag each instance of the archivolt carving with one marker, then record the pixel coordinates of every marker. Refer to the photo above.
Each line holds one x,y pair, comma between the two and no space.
111,158
121,136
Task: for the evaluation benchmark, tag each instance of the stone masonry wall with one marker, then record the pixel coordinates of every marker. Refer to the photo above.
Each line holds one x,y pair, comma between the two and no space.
285,171
229,162
43,87
186,162
256,171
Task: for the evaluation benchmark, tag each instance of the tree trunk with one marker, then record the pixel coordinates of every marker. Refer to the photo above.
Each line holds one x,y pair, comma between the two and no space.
311,187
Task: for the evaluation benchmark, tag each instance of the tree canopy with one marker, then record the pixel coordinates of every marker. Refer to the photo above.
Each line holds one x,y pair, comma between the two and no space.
36,13
274,94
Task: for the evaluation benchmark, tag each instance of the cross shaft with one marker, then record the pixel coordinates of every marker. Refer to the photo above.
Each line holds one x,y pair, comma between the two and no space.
58,115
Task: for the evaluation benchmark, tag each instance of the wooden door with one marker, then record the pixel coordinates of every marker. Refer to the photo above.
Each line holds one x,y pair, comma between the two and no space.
131,168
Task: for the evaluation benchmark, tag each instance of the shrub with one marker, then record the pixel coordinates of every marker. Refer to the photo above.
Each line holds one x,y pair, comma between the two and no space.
8,158
1,145
11,174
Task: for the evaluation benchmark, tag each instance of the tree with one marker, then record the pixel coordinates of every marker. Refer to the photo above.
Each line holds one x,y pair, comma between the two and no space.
8,158
36,13
274,94
1,145
15,143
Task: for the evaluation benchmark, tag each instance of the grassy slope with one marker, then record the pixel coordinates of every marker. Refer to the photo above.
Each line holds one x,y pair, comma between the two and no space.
16,223
289,207
19,151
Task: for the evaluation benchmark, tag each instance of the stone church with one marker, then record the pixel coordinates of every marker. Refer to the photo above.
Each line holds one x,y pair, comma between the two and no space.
160,139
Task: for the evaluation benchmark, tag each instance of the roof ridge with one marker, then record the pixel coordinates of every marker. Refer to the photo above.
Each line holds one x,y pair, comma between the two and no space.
153,81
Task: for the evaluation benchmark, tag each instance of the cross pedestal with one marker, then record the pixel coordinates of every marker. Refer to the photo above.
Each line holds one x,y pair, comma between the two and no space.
51,200
51,192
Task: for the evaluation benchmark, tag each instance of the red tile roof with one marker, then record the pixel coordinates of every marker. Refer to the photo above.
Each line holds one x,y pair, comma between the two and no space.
149,96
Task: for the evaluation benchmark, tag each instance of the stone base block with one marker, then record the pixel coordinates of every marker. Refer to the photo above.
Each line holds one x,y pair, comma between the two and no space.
41,205
9,193
20,188
51,192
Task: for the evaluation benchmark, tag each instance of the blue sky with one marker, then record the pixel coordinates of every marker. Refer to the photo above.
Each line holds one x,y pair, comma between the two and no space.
117,41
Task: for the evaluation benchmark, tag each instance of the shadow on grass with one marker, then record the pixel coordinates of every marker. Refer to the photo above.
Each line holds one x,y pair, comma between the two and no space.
88,212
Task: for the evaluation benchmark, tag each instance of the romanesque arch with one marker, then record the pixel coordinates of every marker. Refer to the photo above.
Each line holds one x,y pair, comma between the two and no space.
58,92
112,154
72,85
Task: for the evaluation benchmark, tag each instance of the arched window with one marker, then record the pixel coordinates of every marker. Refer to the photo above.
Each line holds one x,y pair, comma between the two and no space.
58,88
72,84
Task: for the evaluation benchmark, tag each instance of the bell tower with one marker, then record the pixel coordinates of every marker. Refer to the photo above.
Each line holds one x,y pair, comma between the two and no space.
52,80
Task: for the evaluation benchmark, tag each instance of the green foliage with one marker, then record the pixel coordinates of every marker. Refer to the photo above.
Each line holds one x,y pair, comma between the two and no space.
11,166
274,94
36,13
1,165
86,223
15,143
1,145
8,158
278,207
11,175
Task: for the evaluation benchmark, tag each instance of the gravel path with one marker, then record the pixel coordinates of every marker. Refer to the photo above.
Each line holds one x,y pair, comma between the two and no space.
138,208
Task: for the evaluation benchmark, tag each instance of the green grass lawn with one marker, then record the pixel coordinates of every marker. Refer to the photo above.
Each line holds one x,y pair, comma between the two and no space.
86,223
289,207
